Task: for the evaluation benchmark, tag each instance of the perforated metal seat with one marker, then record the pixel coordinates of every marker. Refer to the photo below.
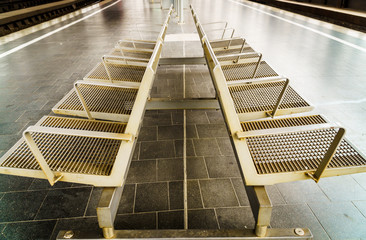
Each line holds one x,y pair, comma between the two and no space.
247,70
75,150
298,145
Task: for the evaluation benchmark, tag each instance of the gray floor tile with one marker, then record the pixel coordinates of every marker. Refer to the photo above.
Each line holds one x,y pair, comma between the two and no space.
12,128
142,171
191,131
33,115
225,146
274,195
235,218
360,179
148,134
206,147
215,117
222,166
343,188
171,220
179,148
12,209
202,219
136,221
240,191
197,117
218,193
194,195
196,168
93,201
361,206
157,149
340,220
39,184
151,197
176,195
157,119
170,132
302,191
211,130
14,183
127,200
298,215
29,230
61,203
170,169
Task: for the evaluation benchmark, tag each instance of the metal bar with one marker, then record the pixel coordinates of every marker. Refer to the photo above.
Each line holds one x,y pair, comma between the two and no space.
280,98
107,210
183,60
82,100
329,154
245,234
165,104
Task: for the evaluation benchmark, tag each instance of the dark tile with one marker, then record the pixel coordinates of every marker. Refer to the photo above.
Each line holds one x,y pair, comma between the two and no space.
196,117
222,166
211,130
179,148
136,221
9,116
11,128
194,198
342,188
218,193
29,230
176,195
136,152
88,225
61,203
191,131
235,218
14,183
215,117
206,147
310,192
225,146
151,197
148,134
142,171
274,195
12,209
202,219
39,184
177,117
171,220
170,169
297,216
170,132
93,201
32,105
157,119
158,149
196,168
127,199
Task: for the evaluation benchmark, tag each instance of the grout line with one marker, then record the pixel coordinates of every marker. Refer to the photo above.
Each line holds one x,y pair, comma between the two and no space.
134,200
217,219
39,209
168,195
54,229
358,208
311,210
236,195
204,161
199,187
87,204
156,220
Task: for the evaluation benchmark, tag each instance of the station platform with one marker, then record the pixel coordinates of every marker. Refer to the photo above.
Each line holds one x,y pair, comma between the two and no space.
325,62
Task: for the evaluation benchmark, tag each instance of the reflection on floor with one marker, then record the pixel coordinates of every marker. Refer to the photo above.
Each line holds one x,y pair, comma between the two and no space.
330,74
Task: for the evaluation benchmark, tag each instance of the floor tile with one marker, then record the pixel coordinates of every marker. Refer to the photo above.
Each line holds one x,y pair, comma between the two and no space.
341,220
194,197
298,215
361,206
240,191
301,192
211,130
178,144
218,193
222,166
29,230
33,115
235,218
14,183
61,203
202,219
176,195
93,201
157,119
196,168
170,169
39,184
225,146
157,149
197,117
206,147
136,221
215,117
11,128
151,197
343,188
360,179
127,200
12,209
148,134
142,171
170,132
274,195
171,220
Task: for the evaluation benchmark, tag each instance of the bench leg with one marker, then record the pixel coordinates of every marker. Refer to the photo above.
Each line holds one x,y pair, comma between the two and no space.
261,207
107,210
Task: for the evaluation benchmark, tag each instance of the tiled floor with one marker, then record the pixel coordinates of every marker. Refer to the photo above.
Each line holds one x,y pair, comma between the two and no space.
328,73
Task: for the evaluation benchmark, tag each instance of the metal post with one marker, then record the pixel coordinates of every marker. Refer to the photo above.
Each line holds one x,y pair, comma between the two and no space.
180,11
